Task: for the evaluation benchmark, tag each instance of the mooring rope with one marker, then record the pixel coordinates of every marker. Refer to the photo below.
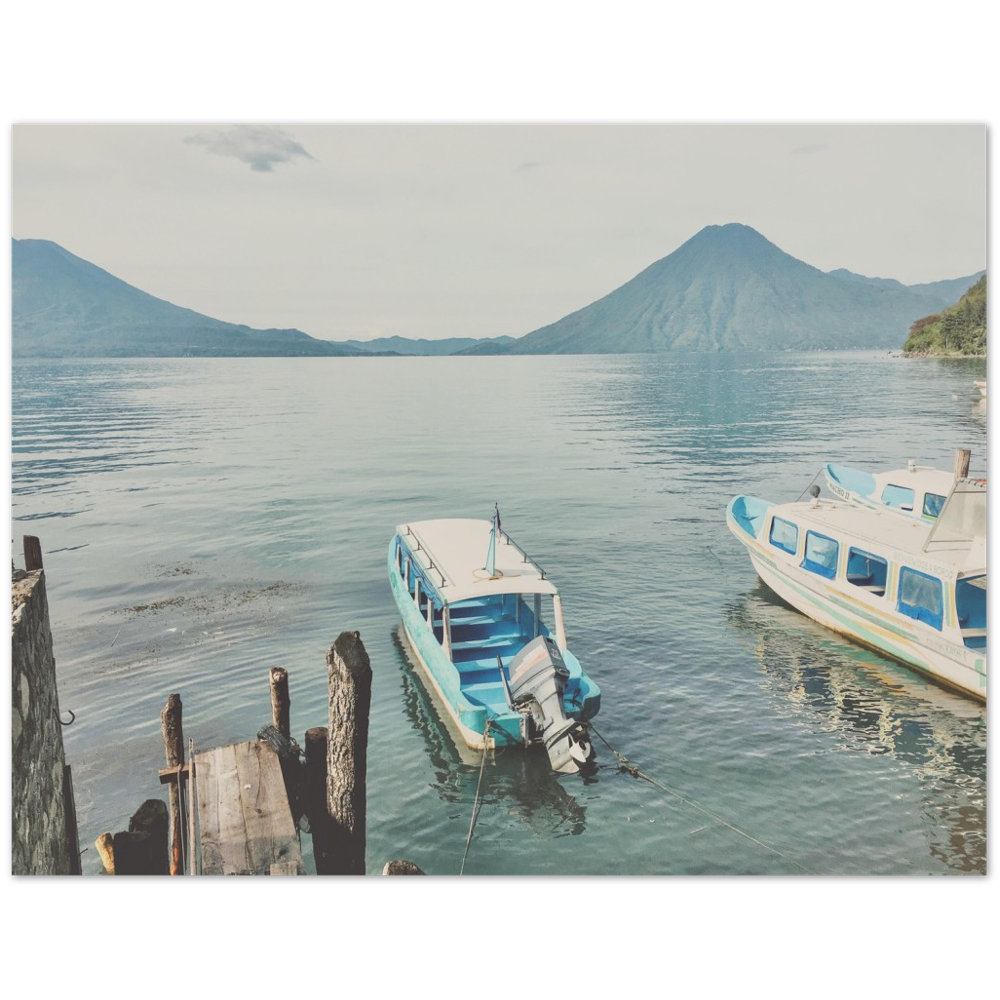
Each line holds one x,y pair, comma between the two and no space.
628,767
475,805
806,490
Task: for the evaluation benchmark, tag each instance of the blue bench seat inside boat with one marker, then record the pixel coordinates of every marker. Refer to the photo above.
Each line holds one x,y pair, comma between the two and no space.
486,692
486,642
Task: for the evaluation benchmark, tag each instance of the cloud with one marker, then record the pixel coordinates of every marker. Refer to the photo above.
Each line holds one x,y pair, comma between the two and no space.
530,165
816,147
260,146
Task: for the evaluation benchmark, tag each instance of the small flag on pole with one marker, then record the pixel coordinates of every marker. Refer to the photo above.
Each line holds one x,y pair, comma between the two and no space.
491,552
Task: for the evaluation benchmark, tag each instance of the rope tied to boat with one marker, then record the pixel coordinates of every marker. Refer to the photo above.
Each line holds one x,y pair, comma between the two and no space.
627,767
476,803
810,483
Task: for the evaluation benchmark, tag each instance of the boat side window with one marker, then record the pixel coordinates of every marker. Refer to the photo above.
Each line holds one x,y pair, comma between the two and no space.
898,496
933,504
866,570
821,554
784,535
921,597
970,603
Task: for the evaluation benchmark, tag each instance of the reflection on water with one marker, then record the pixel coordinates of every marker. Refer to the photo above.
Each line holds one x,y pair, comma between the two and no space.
878,707
516,780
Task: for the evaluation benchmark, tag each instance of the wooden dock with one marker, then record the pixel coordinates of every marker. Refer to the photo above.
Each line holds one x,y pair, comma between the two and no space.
245,824
235,810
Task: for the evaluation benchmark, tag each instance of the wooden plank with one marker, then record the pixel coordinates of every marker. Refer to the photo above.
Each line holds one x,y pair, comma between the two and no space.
33,553
208,812
243,813
271,837
232,827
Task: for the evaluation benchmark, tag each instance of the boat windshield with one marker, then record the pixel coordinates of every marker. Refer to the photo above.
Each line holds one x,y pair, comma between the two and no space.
962,519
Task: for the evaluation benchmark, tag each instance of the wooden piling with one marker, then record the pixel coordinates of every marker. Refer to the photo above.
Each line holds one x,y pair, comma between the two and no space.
142,849
962,458
105,845
349,682
130,852
402,867
173,745
315,797
280,702
32,553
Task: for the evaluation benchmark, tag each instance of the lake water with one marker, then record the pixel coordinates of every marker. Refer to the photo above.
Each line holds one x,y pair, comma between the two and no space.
204,520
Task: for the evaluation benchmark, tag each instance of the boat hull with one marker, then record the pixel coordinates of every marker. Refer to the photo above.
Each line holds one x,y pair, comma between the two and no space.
895,636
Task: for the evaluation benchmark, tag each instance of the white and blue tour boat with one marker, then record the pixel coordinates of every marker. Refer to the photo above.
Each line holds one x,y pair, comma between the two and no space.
490,637
910,588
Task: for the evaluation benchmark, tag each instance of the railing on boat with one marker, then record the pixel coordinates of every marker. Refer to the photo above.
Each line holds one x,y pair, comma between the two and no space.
422,547
527,558
445,579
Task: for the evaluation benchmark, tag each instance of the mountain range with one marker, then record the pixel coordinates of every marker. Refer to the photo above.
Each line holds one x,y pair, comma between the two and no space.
729,288
726,288
423,346
64,306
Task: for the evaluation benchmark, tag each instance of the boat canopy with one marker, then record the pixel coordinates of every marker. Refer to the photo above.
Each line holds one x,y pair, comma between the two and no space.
451,554
962,524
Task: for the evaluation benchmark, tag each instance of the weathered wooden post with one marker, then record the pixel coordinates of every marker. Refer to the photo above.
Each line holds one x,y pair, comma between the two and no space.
173,745
32,553
400,866
151,819
105,845
315,792
962,457
349,682
143,849
280,702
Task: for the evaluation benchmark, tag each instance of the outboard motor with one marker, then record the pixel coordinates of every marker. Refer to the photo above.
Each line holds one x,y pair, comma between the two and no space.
538,677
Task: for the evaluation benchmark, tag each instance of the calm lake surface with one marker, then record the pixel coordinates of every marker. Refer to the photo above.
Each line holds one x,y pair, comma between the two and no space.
204,520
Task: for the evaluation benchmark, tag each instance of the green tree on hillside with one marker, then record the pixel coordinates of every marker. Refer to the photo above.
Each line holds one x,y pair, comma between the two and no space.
959,331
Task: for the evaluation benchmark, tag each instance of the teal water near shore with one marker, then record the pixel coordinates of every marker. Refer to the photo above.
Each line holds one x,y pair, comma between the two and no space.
204,520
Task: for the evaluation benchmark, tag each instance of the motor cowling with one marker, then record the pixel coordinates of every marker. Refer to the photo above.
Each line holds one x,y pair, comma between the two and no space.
538,676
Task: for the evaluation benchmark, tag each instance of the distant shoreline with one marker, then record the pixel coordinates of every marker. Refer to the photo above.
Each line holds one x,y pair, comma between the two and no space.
946,357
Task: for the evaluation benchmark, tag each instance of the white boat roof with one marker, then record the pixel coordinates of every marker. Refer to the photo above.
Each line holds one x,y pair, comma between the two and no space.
885,530
452,554
919,478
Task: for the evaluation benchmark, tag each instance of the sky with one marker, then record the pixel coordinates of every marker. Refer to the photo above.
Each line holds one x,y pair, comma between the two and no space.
430,230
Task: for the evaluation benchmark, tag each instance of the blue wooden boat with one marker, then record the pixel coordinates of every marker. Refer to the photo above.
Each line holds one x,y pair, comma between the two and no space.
912,589
486,626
